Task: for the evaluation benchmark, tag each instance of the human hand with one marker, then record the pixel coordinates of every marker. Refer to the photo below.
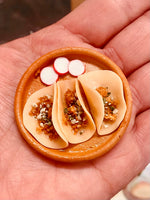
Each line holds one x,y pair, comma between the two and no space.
118,29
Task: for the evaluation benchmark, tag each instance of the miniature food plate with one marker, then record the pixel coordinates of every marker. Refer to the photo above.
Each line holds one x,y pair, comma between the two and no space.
30,82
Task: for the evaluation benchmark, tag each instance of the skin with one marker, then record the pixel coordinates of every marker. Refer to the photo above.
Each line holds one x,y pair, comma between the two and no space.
120,30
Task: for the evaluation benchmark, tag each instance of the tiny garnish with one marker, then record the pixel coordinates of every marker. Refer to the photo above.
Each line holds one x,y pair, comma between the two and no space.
76,67
115,111
49,123
108,93
48,76
65,110
61,65
112,108
81,132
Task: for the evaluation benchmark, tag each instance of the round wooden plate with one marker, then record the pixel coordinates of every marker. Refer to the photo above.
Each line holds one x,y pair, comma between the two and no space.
30,82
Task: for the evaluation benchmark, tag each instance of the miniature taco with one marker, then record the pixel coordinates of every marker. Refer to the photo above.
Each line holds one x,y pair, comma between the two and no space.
74,119
105,95
37,118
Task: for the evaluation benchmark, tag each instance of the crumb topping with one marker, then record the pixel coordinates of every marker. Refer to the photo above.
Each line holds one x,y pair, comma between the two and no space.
42,112
74,113
110,105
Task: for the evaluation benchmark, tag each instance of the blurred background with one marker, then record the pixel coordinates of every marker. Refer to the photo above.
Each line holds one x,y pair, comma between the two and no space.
22,17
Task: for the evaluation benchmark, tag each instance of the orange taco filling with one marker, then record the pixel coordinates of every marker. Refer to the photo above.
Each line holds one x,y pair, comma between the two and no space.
42,112
74,113
110,105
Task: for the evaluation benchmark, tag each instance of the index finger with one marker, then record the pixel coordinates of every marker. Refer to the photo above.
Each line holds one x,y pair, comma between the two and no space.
97,21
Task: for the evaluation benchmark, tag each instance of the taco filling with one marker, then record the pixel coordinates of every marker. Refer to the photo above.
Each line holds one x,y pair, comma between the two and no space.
42,112
74,113
110,105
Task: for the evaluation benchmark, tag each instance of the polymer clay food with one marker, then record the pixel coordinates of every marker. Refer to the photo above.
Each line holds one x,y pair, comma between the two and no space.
107,106
73,110
58,114
74,118
37,118
105,95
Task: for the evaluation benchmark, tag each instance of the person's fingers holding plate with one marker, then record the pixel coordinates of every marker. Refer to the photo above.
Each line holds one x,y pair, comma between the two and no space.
96,22
131,45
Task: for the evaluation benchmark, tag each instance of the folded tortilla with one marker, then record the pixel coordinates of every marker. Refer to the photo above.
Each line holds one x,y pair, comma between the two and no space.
85,132
32,125
107,79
